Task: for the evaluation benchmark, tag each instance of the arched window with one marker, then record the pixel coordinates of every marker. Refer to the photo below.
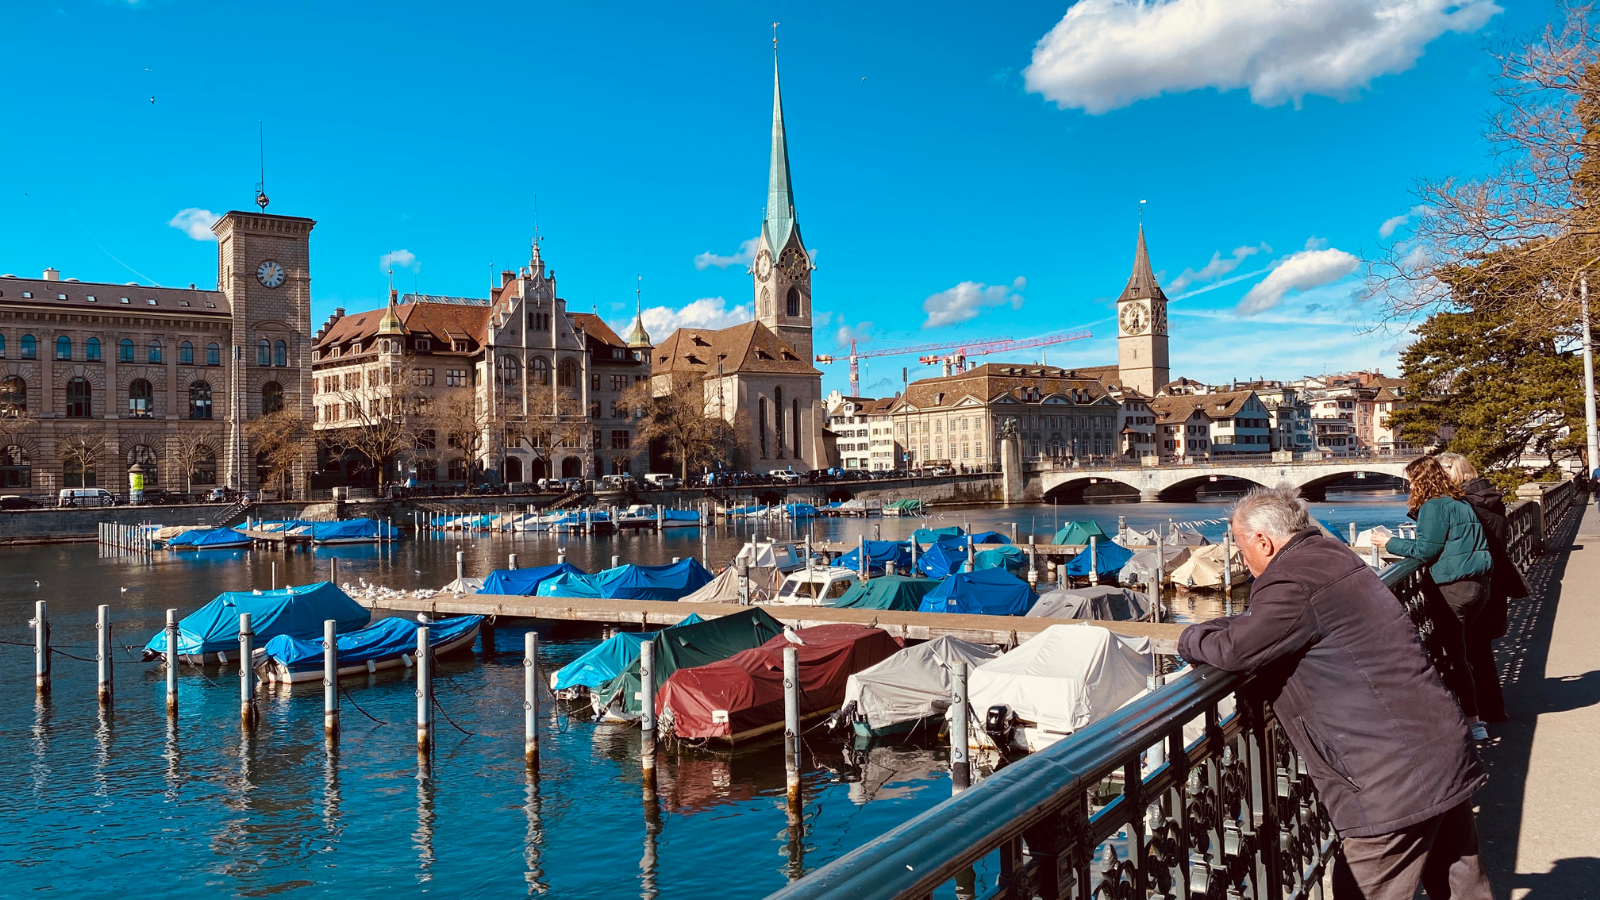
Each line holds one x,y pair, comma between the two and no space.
91,350
154,352
280,353
263,353
271,397
2,346
145,457
777,417
541,370
30,347
794,425
141,398
510,375
568,374
761,424
185,354
427,469
63,347
125,350
13,396
203,466
200,400
213,355
793,301
75,474
16,469
457,470
79,397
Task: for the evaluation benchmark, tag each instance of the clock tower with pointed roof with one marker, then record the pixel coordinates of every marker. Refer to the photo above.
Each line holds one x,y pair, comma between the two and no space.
782,267
1142,362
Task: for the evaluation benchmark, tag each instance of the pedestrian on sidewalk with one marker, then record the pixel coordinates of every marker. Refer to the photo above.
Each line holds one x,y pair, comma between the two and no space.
1451,543
1505,583
1382,739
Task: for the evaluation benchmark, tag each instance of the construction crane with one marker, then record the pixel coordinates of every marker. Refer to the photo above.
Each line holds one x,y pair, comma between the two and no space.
958,359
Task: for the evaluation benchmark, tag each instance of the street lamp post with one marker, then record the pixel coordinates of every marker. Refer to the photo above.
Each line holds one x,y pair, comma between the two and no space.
1588,377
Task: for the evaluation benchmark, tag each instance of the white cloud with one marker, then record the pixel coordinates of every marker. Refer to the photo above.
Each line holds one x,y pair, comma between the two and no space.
1107,54
1310,268
399,259
963,302
745,256
860,332
1216,268
195,222
707,312
1392,224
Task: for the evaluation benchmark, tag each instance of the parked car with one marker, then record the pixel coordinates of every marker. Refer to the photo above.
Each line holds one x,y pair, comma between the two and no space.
574,484
664,481
622,482
86,497
165,498
937,471
785,476
217,495
521,487
15,501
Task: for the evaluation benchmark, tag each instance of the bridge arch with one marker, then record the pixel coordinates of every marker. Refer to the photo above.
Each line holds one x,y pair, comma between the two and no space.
1316,488
1186,489
1074,489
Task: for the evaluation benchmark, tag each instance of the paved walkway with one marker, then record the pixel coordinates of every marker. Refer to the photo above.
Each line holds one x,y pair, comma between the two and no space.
1539,815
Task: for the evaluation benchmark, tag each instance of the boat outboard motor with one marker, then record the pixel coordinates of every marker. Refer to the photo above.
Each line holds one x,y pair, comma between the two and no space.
999,724
844,716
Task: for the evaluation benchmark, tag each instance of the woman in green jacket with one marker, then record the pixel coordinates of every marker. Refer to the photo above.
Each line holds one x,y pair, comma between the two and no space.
1451,543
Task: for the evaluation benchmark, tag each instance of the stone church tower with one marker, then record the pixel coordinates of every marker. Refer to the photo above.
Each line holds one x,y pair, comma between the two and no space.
782,268
1142,362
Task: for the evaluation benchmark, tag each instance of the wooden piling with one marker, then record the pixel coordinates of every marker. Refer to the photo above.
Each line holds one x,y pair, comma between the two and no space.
334,570
647,706
486,636
330,680
247,672
102,654
960,768
172,664
530,700
41,648
424,693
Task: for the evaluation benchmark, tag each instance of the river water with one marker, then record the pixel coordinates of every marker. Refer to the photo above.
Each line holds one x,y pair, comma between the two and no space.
122,802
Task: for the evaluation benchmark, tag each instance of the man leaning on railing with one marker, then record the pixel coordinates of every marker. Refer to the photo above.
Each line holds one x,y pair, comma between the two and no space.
1382,738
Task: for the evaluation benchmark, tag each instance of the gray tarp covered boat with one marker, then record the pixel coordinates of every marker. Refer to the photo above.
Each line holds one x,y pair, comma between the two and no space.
1104,602
908,687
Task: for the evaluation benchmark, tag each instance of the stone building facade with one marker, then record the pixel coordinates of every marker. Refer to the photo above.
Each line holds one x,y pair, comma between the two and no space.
162,377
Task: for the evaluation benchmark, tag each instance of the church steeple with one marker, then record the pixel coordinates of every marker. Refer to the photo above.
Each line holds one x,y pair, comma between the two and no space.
1142,283
780,222
391,323
639,338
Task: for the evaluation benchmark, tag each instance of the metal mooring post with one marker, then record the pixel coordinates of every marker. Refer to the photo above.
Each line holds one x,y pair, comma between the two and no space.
247,672
172,664
530,699
647,708
41,648
960,768
102,656
791,721
424,693
330,680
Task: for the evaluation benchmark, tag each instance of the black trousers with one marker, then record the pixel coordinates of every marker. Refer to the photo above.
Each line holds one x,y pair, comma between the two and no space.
1466,599
1440,854
1479,637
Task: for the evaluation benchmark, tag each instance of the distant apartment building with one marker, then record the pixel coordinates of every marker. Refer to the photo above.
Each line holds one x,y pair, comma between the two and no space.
848,421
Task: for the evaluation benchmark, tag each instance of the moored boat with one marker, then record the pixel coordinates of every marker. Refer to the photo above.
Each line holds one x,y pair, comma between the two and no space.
385,644
618,700
908,689
817,586
207,635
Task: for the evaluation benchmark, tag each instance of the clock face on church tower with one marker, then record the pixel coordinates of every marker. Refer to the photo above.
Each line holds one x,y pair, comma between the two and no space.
793,263
763,266
270,274
1134,319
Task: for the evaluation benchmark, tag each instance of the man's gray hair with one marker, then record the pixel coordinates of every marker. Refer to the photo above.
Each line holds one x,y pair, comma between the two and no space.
1278,511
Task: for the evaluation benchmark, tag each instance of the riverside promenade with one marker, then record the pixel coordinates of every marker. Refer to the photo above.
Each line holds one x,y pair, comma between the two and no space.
1539,815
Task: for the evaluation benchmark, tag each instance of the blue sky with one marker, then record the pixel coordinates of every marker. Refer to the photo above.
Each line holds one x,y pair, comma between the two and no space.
950,163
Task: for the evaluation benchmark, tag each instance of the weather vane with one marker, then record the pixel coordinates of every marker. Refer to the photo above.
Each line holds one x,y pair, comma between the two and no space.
774,37
261,186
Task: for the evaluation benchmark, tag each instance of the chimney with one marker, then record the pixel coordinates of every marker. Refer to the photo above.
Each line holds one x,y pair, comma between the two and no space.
51,274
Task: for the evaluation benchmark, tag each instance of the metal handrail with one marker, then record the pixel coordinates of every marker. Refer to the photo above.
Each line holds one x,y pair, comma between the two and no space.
1233,805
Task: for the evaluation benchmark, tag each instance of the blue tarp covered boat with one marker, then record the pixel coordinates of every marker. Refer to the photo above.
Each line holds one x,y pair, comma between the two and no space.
989,537
942,559
878,553
525,582
209,539
606,661
926,536
670,582
348,531
294,611
990,592
1110,557
384,644
1009,557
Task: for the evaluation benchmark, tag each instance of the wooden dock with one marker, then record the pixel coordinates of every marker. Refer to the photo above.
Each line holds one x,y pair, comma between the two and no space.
648,614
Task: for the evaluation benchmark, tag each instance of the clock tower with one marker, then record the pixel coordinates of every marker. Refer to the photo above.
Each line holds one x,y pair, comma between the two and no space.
264,270
1142,328
782,267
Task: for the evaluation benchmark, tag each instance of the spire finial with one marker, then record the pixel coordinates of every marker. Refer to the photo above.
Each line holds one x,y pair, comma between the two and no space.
775,39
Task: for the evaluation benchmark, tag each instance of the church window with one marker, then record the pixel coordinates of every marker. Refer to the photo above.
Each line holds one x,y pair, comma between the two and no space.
153,352
777,412
567,374
30,347
761,424
541,370
793,301
280,353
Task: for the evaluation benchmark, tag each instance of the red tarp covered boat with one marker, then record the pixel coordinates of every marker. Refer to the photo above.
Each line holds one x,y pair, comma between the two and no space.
742,696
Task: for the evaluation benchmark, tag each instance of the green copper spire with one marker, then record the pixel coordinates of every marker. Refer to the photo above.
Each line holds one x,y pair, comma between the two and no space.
780,223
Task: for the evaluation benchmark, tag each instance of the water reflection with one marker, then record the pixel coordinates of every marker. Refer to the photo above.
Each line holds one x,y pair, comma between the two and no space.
422,839
332,827
102,751
40,769
652,829
533,842
174,760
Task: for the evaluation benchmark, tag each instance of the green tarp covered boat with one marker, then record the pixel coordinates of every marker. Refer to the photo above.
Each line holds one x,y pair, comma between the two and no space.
888,592
684,647
1079,533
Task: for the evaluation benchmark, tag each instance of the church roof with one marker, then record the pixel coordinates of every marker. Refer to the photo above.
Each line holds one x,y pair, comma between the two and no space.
1142,283
780,221
595,327
750,348
391,323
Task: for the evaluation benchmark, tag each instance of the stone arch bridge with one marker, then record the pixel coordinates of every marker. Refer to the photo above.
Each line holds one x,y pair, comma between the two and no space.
1180,482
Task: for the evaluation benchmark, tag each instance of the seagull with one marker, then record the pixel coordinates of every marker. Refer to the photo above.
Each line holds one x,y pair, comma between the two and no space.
36,583
792,636
417,571
124,590
873,623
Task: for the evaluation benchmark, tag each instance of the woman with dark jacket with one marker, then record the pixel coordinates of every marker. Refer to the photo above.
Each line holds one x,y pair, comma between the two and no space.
1451,543
1505,583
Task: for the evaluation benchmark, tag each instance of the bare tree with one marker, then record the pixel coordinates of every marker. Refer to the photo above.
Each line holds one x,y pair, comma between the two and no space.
460,419
1517,240
277,438
192,450
678,411
378,414
80,449
556,420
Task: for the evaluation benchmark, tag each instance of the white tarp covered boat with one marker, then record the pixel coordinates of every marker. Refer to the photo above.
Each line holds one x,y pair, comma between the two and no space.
1133,537
894,696
1141,567
1057,682
1104,602
1203,569
463,586
764,584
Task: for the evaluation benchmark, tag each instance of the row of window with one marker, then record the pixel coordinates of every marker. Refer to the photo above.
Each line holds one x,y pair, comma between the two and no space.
141,398
16,468
275,353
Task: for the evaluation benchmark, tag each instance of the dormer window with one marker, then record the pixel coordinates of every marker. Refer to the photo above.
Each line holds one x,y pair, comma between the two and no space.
150,300
183,303
210,305
125,300
89,299
423,344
